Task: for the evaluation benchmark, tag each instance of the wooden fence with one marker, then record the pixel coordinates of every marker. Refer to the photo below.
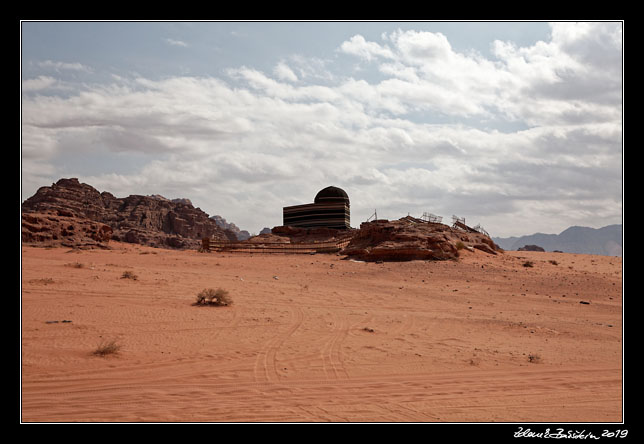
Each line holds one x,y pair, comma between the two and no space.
332,246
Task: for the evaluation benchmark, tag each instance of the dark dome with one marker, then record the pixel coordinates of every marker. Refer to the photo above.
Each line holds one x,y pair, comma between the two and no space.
331,194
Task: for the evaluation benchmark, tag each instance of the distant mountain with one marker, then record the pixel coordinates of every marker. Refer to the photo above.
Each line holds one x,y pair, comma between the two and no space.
606,241
223,223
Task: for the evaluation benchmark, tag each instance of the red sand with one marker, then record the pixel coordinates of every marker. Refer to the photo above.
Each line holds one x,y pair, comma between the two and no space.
314,338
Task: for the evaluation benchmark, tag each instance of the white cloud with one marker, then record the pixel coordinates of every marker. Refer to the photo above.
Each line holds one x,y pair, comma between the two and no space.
420,48
58,66
358,46
40,82
283,72
574,77
174,42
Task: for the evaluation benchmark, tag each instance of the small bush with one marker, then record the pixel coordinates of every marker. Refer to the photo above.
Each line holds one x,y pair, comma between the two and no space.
460,245
534,358
107,348
129,275
209,296
553,262
528,264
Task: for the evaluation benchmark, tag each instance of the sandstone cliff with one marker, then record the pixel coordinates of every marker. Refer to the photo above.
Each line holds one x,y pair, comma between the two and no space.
148,220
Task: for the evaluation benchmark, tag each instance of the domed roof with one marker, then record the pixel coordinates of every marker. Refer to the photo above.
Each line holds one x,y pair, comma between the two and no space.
331,193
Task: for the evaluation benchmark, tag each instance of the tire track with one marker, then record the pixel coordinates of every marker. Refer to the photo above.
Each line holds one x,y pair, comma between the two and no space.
510,394
332,363
265,368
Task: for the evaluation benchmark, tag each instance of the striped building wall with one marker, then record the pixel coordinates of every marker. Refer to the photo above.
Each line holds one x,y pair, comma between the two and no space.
329,214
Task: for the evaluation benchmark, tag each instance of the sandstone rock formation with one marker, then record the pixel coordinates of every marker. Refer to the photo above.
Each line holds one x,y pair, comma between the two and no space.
383,240
411,239
531,248
53,228
149,220
296,235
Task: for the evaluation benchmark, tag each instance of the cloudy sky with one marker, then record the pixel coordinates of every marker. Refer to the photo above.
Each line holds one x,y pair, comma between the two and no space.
514,126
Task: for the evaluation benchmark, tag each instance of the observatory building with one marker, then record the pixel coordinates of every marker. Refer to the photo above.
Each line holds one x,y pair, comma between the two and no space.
330,209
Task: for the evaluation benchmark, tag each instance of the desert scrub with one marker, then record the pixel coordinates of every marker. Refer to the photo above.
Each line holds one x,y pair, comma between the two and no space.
129,275
209,296
459,245
534,358
107,348
44,281
528,264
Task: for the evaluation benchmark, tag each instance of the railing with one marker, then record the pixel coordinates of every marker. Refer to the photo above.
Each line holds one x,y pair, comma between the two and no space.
480,229
459,222
431,218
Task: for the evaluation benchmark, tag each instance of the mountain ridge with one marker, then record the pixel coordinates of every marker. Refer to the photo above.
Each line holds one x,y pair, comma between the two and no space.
605,241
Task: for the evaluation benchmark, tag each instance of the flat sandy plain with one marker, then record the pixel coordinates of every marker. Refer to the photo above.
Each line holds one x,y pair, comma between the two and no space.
315,338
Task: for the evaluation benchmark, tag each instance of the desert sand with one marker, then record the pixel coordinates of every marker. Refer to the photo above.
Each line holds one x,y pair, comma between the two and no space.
315,338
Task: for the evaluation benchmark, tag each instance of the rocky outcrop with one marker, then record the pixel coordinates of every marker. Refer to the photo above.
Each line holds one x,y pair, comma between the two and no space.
148,220
305,235
531,248
55,229
222,223
409,239
297,235
383,240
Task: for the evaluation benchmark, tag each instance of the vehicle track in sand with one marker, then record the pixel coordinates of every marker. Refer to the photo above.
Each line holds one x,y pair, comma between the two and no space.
511,395
265,368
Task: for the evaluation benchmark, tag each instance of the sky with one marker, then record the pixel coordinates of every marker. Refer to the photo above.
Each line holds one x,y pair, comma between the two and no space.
514,126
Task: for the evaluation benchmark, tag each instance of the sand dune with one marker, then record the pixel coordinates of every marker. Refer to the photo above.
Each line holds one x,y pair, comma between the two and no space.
316,338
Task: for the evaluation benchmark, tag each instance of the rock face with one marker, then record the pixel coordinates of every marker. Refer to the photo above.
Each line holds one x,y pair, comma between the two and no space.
53,228
148,220
409,239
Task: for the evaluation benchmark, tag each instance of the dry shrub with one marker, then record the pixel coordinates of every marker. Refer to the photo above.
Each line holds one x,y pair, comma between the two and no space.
129,275
107,348
44,281
209,296
534,358
528,264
